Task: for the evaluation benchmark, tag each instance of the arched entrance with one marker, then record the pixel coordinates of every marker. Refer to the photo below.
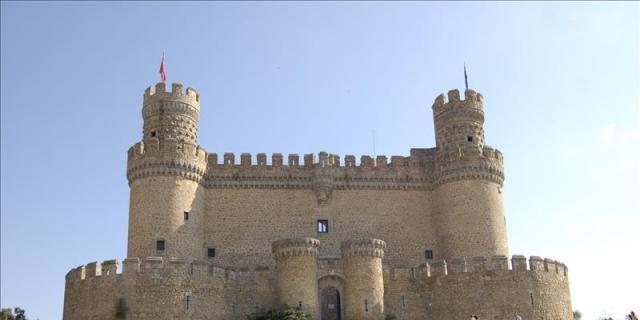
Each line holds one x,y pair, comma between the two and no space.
331,299
331,307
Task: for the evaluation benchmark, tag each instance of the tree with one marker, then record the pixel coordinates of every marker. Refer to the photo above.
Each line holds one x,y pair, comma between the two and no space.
577,315
6,314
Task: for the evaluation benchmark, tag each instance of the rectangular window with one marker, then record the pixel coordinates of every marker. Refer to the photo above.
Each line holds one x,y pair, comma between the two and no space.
323,226
531,297
469,139
186,215
187,301
211,252
153,134
403,301
160,245
428,254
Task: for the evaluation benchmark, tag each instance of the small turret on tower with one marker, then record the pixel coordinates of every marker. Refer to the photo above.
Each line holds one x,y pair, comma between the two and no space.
171,115
459,122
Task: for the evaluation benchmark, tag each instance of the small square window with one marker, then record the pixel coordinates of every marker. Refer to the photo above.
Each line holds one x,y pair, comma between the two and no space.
469,139
186,215
160,245
323,226
211,252
153,134
428,254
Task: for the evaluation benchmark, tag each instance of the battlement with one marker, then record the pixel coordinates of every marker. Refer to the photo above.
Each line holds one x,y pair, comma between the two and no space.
472,100
322,169
166,157
363,247
167,150
323,160
159,267
499,264
158,92
295,247
420,170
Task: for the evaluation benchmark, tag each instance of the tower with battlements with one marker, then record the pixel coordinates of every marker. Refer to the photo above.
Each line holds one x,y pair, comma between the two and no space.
420,236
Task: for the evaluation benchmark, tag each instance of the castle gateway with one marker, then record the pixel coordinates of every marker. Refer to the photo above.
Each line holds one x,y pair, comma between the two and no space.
211,236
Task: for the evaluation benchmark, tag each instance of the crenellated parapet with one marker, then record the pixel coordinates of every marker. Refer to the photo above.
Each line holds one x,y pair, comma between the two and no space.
166,158
322,173
327,172
158,92
158,267
468,162
450,106
295,247
363,247
496,265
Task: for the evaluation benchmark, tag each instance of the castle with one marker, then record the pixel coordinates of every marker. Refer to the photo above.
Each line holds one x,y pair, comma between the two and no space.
421,236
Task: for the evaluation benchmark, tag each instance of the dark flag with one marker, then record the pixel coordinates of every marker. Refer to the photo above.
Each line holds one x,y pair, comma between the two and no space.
466,82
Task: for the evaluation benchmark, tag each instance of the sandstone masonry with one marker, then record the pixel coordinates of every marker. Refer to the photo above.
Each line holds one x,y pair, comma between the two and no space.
421,236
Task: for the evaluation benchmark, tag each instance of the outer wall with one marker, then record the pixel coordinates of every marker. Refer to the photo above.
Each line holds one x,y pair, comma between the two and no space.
492,295
219,294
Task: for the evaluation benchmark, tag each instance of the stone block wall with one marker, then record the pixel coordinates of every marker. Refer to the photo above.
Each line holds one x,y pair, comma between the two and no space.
489,287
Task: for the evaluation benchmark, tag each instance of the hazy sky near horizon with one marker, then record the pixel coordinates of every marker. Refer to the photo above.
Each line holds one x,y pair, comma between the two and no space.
560,80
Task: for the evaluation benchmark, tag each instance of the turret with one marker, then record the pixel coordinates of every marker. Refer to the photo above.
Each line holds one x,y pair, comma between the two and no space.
459,122
164,172
468,178
171,116
364,286
296,269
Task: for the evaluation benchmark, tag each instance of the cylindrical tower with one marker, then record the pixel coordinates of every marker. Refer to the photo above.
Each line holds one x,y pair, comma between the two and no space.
296,261
468,177
364,287
164,172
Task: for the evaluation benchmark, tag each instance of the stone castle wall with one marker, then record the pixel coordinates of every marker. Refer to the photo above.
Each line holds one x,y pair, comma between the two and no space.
245,221
489,287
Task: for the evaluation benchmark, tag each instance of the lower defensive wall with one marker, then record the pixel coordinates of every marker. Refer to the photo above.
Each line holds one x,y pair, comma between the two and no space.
155,288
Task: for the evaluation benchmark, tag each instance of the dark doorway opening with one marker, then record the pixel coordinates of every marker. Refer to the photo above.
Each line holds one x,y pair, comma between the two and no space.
331,304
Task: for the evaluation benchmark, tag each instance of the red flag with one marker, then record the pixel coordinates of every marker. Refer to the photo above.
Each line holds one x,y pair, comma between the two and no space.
163,74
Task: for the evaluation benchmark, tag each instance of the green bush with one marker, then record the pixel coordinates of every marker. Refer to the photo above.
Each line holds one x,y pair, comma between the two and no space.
284,313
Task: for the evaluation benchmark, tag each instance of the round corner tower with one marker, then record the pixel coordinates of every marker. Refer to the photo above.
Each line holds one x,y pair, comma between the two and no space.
468,179
164,172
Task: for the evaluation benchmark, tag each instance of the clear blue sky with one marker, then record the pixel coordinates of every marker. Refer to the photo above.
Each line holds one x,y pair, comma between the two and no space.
560,80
